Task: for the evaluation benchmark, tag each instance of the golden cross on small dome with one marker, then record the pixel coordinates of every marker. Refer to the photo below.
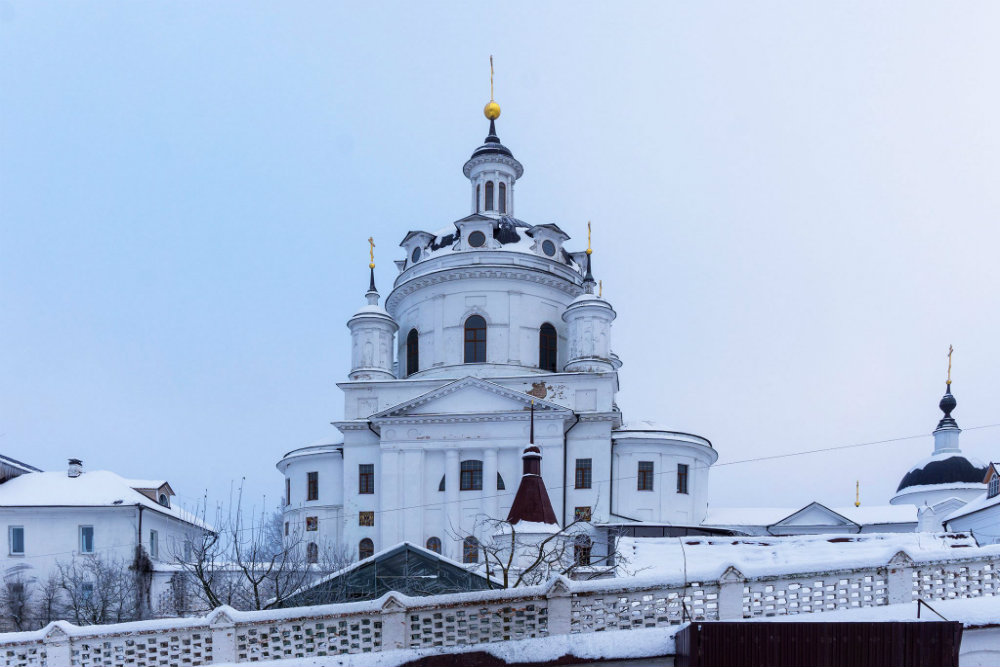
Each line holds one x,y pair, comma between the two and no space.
371,253
589,251
950,350
857,493
492,109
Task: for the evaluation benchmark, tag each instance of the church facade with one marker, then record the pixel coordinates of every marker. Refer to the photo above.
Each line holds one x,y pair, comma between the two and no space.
486,319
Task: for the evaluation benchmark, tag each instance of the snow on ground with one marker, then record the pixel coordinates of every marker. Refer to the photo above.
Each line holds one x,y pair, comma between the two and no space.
706,558
621,644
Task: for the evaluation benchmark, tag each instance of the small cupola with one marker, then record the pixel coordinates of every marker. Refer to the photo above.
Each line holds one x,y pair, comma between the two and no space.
531,503
372,333
492,169
75,468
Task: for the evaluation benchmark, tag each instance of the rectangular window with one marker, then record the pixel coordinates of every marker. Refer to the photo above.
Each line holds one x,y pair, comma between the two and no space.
583,473
154,544
86,539
312,523
472,476
682,478
312,490
581,514
288,491
286,529
645,476
366,518
15,536
366,478
87,590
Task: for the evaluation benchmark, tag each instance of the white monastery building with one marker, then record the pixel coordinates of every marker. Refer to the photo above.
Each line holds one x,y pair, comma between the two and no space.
485,317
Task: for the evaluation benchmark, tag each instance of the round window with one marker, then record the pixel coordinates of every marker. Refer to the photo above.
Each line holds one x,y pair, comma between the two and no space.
477,239
549,248
415,256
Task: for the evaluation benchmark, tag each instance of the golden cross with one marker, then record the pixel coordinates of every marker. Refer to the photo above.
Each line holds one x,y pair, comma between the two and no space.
588,238
950,350
857,493
600,288
491,78
371,253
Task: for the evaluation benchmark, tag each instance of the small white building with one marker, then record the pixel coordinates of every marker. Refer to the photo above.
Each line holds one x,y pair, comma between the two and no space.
981,515
52,518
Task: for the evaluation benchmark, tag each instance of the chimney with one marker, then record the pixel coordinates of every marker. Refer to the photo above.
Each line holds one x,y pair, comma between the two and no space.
75,468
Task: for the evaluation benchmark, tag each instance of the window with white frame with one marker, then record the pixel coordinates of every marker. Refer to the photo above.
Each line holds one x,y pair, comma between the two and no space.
15,538
154,544
994,488
86,539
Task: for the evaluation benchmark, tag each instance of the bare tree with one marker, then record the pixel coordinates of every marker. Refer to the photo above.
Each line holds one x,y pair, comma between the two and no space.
247,563
98,590
514,557
16,601
50,605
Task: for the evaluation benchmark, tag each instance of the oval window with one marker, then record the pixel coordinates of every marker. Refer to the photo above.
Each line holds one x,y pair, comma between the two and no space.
549,248
415,256
477,239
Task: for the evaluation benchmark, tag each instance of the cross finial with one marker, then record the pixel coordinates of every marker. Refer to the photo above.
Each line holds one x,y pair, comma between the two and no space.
950,350
491,78
589,250
600,288
371,253
857,493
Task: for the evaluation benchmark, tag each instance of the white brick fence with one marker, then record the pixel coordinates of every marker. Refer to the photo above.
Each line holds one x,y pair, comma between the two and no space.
560,607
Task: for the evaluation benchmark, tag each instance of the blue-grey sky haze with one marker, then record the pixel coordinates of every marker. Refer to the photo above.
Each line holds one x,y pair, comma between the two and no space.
795,211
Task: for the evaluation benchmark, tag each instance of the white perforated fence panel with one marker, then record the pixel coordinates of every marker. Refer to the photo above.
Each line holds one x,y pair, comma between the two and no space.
596,612
478,624
23,655
780,597
956,580
305,638
166,649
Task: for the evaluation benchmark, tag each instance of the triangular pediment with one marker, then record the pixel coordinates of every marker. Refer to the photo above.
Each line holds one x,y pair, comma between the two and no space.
815,514
469,395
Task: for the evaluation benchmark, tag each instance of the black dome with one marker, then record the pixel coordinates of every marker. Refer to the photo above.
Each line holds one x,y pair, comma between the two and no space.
492,145
944,471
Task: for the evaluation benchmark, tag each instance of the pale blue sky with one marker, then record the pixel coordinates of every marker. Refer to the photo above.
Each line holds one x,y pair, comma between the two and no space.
795,212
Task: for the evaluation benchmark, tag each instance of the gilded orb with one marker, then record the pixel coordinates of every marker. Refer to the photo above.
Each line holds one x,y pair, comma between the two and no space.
492,110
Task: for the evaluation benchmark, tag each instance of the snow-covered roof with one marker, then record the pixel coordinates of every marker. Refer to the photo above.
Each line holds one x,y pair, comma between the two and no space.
146,483
975,505
865,515
707,557
18,465
945,468
95,488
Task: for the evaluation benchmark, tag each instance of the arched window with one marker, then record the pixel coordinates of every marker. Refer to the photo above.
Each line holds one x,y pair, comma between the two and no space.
500,485
412,352
434,544
470,550
471,476
312,553
475,340
548,342
581,550
441,485
477,199
502,201
366,549
489,196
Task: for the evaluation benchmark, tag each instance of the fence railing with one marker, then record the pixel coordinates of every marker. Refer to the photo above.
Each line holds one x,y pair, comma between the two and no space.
560,607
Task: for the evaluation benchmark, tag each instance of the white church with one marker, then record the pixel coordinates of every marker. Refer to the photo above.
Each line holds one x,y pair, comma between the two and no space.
486,317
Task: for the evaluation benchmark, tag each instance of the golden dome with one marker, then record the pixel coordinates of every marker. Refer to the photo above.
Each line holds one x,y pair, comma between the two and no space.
492,110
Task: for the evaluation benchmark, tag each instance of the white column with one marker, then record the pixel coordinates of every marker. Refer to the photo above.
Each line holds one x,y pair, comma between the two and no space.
452,537
387,522
488,504
412,479
514,328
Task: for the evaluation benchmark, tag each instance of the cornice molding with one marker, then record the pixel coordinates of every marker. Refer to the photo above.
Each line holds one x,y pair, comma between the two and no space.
472,272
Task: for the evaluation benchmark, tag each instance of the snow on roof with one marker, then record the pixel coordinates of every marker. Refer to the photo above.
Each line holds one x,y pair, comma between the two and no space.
146,483
944,456
746,516
706,558
980,503
14,463
95,488
768,516
867,515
